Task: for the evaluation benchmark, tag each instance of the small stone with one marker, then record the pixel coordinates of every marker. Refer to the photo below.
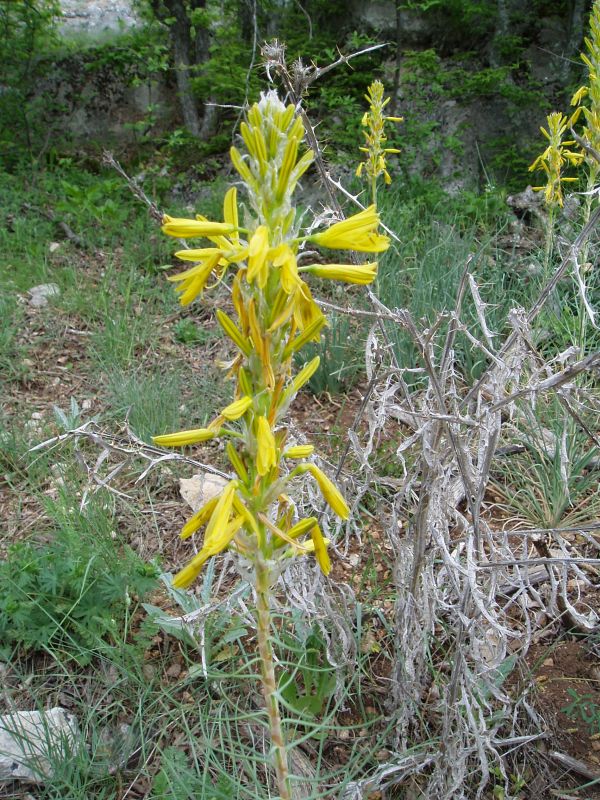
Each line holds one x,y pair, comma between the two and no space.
354,559
53,246
37,415
86,404
596,746
200,488
38,295
548,662
174,670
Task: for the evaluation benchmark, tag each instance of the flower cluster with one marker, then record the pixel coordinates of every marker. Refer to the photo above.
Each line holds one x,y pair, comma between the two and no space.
554,158
274,316
374,121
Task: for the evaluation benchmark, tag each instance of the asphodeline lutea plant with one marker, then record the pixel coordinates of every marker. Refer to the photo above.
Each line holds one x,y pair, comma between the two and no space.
374,121
274,316
553,161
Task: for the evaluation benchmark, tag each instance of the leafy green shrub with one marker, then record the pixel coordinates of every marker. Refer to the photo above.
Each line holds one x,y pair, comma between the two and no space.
72,592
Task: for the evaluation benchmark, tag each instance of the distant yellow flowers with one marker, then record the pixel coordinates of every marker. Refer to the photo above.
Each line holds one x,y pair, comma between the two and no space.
554,158
374,121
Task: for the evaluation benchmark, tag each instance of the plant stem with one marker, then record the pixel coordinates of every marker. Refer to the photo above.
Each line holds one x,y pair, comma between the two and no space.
549,242
263,607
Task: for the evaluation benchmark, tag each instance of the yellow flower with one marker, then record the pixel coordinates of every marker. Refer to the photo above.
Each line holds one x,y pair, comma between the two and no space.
199,519
217,544
183,438
189,228
349,273
299,451
328,489
221,513
192,281
358,232
321,553
266,456
236,409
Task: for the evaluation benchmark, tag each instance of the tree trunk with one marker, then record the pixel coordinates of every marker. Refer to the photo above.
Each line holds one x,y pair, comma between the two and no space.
181,47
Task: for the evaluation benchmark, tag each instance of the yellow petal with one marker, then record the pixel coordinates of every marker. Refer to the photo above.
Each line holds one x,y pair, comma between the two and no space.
321,553
266,456
187,228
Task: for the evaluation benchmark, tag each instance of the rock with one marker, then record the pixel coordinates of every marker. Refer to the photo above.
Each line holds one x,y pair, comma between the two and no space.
31,741
53,246
38,295
200,488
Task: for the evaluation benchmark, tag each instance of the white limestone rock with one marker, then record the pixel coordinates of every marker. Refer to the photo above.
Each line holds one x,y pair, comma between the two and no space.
31,741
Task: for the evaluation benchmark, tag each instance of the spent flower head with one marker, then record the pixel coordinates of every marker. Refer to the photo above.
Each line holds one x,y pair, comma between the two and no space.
554,159
374,121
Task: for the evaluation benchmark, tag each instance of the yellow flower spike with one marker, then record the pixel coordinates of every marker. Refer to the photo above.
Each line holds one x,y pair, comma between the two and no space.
184,438
329,490
241,167
221,512
554,158
321,553
231,329
237,409
348,273
257,256
189,228
199,519
266,457
299,451
375,121
358,232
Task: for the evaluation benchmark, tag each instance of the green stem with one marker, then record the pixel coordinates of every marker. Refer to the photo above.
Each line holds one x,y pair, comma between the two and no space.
263,607
549,242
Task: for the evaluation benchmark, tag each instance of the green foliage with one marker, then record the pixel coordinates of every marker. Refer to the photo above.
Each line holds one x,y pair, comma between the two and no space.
27,30
308,681
178,780
72,592
340,352
583,707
